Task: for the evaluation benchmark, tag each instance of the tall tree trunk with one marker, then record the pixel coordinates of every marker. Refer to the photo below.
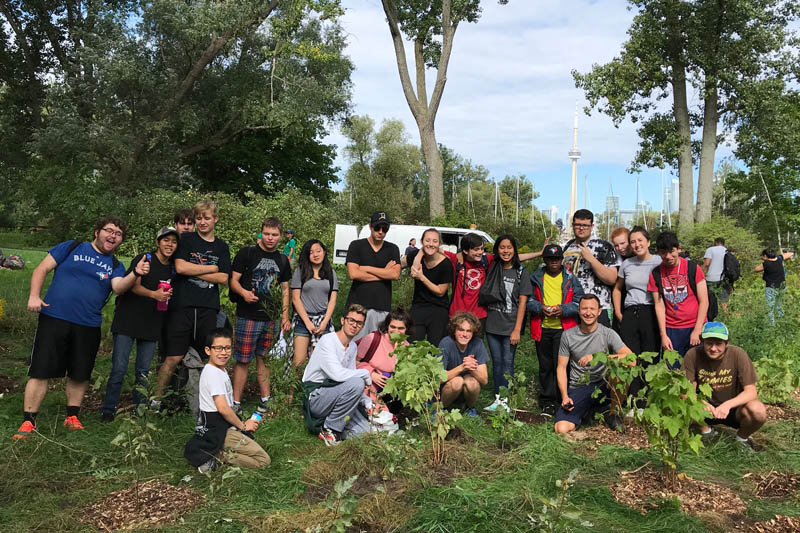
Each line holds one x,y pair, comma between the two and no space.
705,180
435,168
680,110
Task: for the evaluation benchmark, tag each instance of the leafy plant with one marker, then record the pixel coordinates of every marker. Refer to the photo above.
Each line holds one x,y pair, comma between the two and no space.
779,377
417,381
673,405
620,373
342,505
503,420
554,515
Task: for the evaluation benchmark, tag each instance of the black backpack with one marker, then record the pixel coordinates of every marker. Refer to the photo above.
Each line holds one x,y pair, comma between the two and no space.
731,269
713,309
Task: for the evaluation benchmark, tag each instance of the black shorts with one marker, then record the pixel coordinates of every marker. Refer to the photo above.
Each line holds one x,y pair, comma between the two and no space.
187,327
729,421
63,348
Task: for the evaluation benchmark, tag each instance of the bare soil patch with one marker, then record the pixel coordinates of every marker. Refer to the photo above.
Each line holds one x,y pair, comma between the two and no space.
532,418
158,503
634,436
775,485
782,412
9,385
779,524
644,489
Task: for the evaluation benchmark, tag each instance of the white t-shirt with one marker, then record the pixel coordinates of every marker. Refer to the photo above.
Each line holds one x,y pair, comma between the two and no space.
214,381
717,256
331,360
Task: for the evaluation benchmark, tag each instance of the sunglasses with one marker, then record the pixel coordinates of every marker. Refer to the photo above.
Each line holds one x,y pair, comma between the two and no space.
381,227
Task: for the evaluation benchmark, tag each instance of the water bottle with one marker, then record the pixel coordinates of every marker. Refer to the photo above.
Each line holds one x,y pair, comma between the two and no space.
162,306
256,416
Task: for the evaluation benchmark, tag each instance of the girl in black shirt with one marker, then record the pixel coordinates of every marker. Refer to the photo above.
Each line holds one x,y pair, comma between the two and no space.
774,275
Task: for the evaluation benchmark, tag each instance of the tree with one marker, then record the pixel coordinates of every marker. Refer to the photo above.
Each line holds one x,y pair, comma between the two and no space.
431,26
717,47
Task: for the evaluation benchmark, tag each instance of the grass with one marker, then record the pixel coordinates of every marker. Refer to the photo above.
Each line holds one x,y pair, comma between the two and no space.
48,479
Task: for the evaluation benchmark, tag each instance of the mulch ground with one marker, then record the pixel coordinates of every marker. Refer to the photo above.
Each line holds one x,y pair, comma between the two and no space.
775,485
9,385
644,490
785,412
779,524
158,503
634,436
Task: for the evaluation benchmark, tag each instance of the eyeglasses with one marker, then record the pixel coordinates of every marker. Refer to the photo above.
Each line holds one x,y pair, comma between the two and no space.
381,227
113,232
353,321
582,226
223,349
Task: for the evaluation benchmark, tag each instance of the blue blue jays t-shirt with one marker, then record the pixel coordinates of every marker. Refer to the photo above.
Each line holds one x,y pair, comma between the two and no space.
81,284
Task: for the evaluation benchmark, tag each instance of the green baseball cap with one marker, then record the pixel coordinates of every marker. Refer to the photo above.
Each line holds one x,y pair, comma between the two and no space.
714,330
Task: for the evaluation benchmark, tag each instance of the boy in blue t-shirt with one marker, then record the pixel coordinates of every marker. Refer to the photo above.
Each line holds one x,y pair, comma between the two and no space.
68,331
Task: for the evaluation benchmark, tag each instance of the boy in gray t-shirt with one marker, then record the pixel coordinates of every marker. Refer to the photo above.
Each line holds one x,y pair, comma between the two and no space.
575,353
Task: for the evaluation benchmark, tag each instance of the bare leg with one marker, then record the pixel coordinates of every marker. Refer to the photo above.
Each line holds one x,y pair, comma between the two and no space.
452,390
300,350
165,373
240,371
262,371
471,389
35,391
751,417
562,427
76,390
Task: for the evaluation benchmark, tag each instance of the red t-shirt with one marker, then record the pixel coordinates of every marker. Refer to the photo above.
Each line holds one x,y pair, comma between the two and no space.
680,303
469,280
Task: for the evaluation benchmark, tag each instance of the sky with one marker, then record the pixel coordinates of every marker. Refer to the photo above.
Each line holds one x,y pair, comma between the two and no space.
510,99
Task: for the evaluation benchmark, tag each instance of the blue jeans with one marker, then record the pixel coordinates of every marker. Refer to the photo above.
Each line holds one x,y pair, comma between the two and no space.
774,297
119,367
502,352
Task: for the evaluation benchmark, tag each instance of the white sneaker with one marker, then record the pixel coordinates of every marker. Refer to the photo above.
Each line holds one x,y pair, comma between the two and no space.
494,405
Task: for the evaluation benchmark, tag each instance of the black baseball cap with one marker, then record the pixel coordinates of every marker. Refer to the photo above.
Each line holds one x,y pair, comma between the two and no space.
379,216
552,251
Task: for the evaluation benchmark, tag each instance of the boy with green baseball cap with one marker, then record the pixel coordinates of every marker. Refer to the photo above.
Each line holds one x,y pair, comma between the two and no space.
732,377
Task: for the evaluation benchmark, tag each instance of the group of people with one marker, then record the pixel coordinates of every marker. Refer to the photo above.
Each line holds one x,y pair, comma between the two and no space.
589,296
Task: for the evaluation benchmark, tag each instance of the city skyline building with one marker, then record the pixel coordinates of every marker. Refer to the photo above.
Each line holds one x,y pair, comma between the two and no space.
574,155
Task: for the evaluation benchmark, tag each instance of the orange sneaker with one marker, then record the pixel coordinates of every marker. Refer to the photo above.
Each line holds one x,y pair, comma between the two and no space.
24,430
73,423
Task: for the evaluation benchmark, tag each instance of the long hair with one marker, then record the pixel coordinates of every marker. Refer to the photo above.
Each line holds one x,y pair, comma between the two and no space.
513,241
307,269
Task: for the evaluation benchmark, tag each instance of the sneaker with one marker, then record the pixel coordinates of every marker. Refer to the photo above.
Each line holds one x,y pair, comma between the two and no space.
614,422
329,437
209,466
472,412
72,423
263,407
708,436
549,410
494,405
24,430
106,417
155,405
746,444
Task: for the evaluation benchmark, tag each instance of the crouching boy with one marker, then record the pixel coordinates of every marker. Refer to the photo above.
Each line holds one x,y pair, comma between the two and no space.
219,429
732,377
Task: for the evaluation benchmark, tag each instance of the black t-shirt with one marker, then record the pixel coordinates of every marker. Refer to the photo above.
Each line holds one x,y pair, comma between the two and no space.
372,294
261,271
441,273
774,273
136,316
195,292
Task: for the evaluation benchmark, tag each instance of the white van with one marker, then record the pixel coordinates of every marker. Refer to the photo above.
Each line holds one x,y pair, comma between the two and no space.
400,235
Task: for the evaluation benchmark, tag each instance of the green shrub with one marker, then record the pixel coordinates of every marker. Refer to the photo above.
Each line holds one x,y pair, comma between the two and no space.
745,244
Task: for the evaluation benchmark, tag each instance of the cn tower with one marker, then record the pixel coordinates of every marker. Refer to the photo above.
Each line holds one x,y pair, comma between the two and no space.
574,155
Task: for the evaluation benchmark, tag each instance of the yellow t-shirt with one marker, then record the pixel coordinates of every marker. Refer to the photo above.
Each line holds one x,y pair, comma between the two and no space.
552,297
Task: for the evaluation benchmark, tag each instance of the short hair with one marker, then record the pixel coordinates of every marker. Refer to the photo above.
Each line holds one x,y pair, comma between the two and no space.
218,333
398,313
205,205
412,239
666,241
769,253
471,241
590,296
719,240
272,222
458,318
183,214
110,219
583,214
356,308
619,231
640,229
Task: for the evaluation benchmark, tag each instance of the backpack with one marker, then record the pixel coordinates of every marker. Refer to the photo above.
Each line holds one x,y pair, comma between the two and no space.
493,290
713,309
13,262
731,269
76,243
459,266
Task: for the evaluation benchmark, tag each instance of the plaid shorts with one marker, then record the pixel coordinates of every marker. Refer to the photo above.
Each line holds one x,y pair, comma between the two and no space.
252,337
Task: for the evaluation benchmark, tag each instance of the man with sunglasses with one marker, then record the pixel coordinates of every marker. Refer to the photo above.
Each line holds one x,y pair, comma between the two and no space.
68,330
372,264
593,261
334,402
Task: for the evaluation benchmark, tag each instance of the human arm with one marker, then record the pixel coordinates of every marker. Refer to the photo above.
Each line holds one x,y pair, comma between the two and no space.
479,372
159,295
286,325
702,309
236,286
122,284
661,318
527,256
230,417
748,394
300,309
357,272
759,268
185,268
787,255
706,263
607,274
517,331
391,271
35,302
616,297
561,378
330,365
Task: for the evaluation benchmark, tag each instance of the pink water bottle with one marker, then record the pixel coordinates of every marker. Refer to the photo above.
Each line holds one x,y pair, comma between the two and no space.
162,306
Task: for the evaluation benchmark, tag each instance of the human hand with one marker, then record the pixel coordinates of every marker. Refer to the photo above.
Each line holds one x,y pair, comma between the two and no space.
416,271
378,379
250,425
708,407
556,311
585,360
566,403
666,343
546,242
249,297
35,304
322,326
694,338
618,315
721,411
161,295
586,253
514,337
142,268
470,363
286,325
